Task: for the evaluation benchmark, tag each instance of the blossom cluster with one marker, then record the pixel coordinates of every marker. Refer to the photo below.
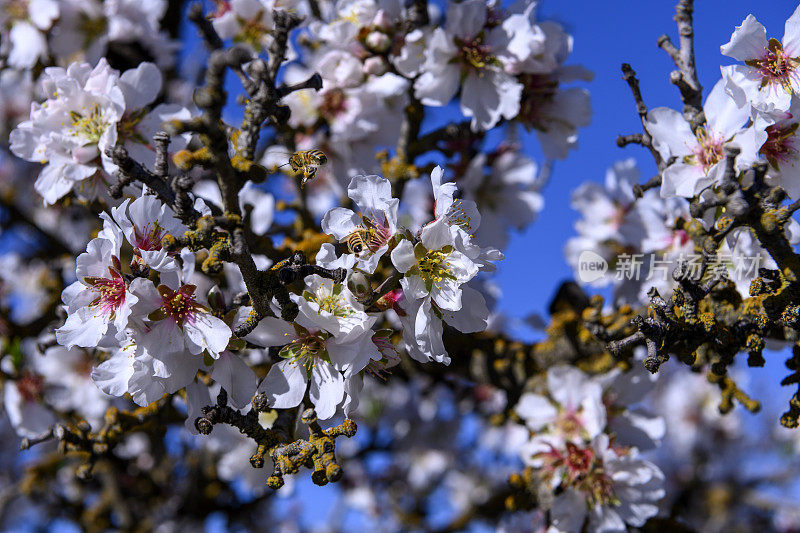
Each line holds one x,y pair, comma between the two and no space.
585,442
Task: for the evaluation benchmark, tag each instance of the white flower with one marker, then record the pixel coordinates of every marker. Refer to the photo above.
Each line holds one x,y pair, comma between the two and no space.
177,324
368,232
72,128
464,48
22,399
546,106
574,412
700,155
314,361
330,341
26,22
144,222
508,195
86,112
141,86
769,76
611,489
248,21
100,298
782,148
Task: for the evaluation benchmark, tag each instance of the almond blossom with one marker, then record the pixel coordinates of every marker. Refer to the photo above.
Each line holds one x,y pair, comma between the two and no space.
368,232
699,154
769,76
465,49
99,303
26,23
331,339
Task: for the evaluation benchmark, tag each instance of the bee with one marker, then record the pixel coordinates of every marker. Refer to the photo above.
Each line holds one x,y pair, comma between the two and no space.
357,241
307,161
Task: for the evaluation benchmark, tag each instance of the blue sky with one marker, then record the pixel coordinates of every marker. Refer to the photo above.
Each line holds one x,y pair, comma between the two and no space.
607,34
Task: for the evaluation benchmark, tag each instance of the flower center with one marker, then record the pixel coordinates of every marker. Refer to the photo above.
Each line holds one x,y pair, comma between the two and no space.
16,9
179,305
708,151
111,291
306,349
458,216
253,30
475,53
90,126
775,67
30,387
149,237
334,103
331,301
433,267
127,128
780,145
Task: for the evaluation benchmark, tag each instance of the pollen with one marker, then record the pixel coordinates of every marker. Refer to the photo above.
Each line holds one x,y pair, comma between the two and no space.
708,151
88,124
775,67
458,216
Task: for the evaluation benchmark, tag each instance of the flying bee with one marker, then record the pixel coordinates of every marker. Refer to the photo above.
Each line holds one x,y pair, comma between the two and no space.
307,161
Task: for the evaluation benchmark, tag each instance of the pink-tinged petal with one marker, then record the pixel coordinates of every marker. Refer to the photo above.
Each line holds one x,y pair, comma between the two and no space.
671,134
285,384
403,257
326,390
536,410
140,85
791,34
340,222
749,41
238,379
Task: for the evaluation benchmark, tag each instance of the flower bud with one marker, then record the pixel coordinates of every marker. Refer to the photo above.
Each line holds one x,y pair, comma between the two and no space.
375,65
359,285
215,299
378,41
